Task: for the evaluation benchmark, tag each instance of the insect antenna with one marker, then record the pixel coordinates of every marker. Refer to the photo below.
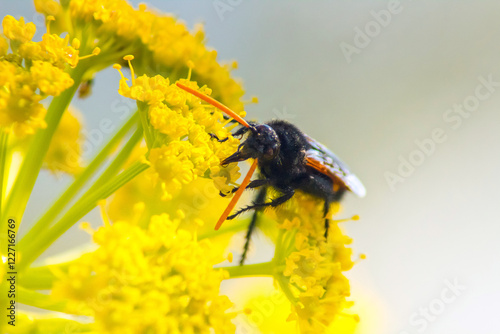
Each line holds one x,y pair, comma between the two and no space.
216,104
237,195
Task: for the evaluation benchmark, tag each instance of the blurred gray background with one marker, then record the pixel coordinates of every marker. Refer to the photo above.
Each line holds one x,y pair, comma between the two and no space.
371,80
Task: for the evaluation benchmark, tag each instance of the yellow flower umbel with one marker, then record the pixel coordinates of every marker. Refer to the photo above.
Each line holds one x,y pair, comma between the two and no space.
177,127
313,278
162,42
160,280
308,268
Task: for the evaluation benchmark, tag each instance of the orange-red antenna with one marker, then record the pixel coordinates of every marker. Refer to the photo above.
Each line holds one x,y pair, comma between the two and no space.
215,103
237,195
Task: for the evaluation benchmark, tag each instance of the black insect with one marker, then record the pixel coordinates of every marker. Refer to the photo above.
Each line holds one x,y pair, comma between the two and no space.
288,160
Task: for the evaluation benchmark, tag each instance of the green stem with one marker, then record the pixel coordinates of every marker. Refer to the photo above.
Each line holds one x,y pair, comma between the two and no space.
50,215
28,173
278,248
240,225
118,161
258,269
108,174
285,287
43,277
143,112
84,205
40,300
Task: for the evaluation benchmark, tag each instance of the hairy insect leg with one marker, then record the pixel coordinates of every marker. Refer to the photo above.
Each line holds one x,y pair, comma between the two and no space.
253,184
326,208
261,197
287,194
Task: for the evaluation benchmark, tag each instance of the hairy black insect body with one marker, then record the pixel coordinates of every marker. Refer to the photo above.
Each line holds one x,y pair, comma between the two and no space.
282,151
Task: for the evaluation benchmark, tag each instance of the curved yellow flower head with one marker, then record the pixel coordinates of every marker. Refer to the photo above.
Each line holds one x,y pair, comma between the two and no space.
160,280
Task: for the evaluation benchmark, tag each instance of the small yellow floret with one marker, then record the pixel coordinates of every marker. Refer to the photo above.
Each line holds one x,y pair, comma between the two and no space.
17,30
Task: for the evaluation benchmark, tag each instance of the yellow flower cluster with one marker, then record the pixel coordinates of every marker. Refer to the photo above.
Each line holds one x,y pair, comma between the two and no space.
157,280
314,265
33,71
156,38
177,127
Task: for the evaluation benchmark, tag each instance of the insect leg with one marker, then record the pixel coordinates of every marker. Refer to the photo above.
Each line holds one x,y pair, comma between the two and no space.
239,132
274,203
261,197
253,184
326,208
214,136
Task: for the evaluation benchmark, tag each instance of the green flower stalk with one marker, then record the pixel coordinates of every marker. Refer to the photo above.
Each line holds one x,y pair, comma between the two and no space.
155,265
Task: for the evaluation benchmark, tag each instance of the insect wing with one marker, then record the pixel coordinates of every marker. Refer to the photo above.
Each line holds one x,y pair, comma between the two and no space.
325,161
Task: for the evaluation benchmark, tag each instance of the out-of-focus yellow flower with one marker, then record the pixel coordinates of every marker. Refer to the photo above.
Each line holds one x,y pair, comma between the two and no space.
49,79
32,323
20,108
266,308
65,148
18,30
53,49
4,46
26,83
160,280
